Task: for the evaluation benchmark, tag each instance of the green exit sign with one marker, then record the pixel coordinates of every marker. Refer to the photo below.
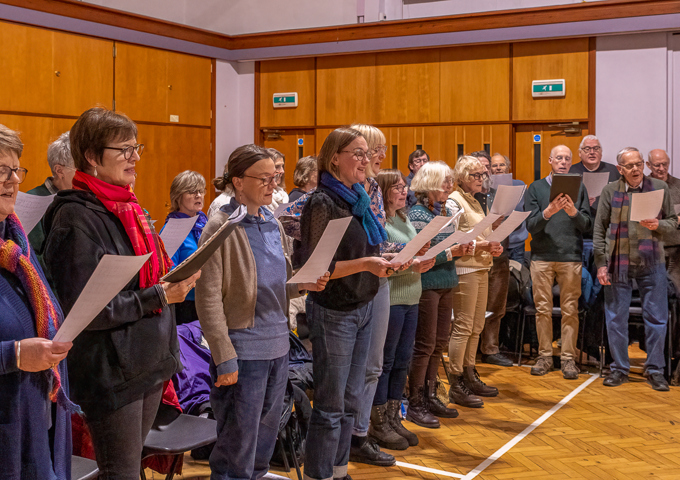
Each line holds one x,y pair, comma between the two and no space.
285,100
548,88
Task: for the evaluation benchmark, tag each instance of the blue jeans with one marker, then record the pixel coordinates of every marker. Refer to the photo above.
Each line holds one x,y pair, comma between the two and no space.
654,296
517,254
340,343
401,335
374,363
248,414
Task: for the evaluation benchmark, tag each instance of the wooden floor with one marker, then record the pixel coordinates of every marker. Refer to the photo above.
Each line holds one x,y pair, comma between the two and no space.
628,432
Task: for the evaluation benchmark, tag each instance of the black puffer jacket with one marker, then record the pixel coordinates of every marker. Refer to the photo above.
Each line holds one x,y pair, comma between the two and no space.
128,348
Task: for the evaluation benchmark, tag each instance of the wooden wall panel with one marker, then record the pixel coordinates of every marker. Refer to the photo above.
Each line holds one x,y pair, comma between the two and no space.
475,83
500,139
407,87
545,60
85,67
141,100
189,88
346,89
287,143
291,75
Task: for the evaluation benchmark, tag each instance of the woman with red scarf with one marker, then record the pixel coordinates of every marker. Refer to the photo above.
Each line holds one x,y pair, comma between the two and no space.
119,363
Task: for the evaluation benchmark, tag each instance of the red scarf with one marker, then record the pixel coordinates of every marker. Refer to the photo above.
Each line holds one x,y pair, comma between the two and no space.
121,201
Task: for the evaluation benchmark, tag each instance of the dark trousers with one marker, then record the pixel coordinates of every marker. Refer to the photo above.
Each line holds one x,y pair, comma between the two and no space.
397,353
432,335
499,277
248,414
118,437
673,265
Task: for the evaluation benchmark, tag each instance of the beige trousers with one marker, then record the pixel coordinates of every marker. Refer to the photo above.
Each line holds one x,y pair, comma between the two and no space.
568,275
469,310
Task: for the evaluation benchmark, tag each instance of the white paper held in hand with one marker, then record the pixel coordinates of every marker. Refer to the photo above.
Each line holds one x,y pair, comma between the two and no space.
507,198
321,257
461,237
646,205
437,224
595,182
501,179
279,210
30,209
108,279
508,226
175,232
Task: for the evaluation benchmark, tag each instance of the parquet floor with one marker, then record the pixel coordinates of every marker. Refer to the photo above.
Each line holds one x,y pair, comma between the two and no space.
628,432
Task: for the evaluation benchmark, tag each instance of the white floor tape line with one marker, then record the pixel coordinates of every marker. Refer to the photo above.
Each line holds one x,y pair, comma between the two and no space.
429,470
504,449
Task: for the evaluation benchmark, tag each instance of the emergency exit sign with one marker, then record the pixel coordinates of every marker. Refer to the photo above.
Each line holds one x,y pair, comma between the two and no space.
547,88
286,100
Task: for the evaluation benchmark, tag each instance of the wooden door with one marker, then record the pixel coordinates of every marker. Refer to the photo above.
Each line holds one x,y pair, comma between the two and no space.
141,83
289,75
189,89
532,149
288,143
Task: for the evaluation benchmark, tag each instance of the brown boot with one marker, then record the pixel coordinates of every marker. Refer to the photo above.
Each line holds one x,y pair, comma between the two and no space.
381,430
417,410
460,394
436,406
394,417
475,384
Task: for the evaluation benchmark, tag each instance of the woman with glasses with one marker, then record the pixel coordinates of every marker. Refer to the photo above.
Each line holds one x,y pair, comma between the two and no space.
187,193
431,185
242,300
119,362
35,422
469,297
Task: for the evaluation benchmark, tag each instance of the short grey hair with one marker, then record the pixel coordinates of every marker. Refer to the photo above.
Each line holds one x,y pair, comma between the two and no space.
59,152
185,182
623,151
430,177
586,138
505,157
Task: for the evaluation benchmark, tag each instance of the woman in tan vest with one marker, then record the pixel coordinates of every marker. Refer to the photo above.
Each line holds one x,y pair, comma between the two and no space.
469,297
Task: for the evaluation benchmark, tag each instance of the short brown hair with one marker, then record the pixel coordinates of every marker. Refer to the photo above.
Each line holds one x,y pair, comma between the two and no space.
187,181
386,179
336,141
10,142
242,159
94,130
304,169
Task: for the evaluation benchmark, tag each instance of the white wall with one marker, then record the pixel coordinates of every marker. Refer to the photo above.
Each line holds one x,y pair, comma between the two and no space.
235,109
632,93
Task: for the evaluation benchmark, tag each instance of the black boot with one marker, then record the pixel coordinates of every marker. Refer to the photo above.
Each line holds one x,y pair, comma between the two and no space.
460,394
475,384
382,432
394,417
365,450
417,410
436,406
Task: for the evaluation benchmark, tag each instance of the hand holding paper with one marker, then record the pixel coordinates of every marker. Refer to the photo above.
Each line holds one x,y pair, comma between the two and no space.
645,206
424,236
508,226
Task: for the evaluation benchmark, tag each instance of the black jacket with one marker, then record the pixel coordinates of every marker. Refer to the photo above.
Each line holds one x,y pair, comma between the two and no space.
128,348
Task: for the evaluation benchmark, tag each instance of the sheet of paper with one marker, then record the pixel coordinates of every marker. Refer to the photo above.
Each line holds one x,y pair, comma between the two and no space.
175,232
425,235
507,198
501,179
595,182
279,210
461,237
30,209
508,226
645,206
108,279
321,257
677,209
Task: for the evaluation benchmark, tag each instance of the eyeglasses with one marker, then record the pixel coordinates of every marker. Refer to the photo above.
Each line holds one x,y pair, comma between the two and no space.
630,166
195,193
378,150
400,188
595,149
419,161
659,165
127,151
358,153
267,180
479,176
562,158
6,173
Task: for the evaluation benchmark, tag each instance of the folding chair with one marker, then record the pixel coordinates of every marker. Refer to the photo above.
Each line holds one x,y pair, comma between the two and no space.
83,468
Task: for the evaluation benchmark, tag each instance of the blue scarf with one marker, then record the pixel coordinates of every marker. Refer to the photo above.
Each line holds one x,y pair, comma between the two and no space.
361,207
198,226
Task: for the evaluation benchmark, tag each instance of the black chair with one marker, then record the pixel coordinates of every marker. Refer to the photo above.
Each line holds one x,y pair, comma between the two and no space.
83,468
174,433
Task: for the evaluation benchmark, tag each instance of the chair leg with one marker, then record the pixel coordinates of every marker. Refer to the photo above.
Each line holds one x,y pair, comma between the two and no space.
583,334
142,475
296,464
521,339
173,467
446,369
286,466
602,349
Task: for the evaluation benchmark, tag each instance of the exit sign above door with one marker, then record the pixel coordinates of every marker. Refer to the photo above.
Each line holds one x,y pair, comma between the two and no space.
286,100
548,88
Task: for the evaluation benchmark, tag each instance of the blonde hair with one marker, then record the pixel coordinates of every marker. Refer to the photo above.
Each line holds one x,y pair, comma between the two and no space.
187,181
430,177
464,166
374,137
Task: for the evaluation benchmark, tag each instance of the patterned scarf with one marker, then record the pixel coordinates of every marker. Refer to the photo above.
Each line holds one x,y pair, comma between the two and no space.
361,207
629,242
15,258
435,207
198,226
122,202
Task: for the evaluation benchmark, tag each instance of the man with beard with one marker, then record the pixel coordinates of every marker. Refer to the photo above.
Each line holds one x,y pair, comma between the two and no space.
625,251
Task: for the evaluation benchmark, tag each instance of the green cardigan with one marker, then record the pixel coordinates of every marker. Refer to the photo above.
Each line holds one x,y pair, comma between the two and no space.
405,287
